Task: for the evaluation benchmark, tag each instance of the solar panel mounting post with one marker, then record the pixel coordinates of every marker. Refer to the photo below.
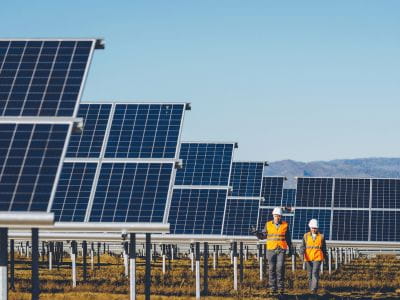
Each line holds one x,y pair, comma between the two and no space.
3,263
84,263
197,270
241,262
132,266
205,255
35,264
12,266
235,265
147,286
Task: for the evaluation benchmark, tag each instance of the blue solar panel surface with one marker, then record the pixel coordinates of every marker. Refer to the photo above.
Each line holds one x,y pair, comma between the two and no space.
314,192
386,193
246,179
240,215
289,197
272,190
350,225
89,142
205,164
131,192
303,216
197,211
352,192
29,159
73,191
145,131
42,78
385,226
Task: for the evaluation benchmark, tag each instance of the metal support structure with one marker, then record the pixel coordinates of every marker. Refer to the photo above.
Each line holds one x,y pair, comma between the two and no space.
92,256
260,259
205,275
336,259
132,266
192,257
35,264
84,262
74,250
3,263
98,255
197,270
126,259
147,286
241,262
51,251
330,261
163,258
235,266
12,266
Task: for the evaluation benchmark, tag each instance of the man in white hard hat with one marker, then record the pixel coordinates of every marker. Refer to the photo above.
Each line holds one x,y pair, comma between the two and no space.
313,251
279,242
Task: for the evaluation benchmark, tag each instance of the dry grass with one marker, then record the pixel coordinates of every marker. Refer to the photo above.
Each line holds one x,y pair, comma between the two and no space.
374,278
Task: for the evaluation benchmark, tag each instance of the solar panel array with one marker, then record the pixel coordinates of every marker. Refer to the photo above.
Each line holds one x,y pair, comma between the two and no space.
201,188
357,209
243,204
288,197
134,147
38,78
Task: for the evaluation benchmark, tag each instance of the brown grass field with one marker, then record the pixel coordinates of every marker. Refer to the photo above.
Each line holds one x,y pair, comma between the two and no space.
377,278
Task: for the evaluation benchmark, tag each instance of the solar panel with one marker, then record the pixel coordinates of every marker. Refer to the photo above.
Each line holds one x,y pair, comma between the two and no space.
145,131
385,226
42,77
131,192
240,215
272,189
73,191
350,225
197,211
314,192
385,193
29,160
89,142
205,164
352,192
246,179
289,197
303,216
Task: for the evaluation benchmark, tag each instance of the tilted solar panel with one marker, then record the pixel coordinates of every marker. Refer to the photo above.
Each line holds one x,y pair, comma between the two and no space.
386,193
197,211
145,131
352,192
272,191
73,191
303,216
131,192
30,155
89,142
240,216
314,192
205,164
289,197
42,77
385,226
350,225
246,179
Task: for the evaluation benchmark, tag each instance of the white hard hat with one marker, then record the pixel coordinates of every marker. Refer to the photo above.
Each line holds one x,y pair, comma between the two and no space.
277,211
313,223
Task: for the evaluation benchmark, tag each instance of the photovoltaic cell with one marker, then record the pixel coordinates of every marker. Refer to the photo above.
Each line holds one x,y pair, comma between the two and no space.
352,192
350,225
385,193
240,215
246,179
272,190
303,216
131,192
289,197
314,192
42,78
385,226
29,159
197,211
89,142
205,164
73,191
145,131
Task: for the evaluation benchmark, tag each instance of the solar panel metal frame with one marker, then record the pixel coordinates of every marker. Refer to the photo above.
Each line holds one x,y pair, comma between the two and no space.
102,159
70,121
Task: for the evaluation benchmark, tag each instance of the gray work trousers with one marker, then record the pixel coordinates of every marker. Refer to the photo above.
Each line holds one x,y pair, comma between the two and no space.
276,268
313,269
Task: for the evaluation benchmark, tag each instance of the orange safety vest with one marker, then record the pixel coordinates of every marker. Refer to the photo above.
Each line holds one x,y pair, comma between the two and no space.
313,247
276,235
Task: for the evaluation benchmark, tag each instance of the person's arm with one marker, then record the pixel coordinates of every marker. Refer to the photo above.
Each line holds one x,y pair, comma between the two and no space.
324,250
302,248
288,238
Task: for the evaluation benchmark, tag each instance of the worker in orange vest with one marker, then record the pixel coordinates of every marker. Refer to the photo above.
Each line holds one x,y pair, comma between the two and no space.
313,251
279,243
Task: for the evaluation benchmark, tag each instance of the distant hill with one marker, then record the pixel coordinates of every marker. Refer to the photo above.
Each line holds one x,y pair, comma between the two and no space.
359,167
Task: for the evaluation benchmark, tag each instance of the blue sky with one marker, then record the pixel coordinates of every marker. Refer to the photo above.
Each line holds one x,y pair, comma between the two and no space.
302,80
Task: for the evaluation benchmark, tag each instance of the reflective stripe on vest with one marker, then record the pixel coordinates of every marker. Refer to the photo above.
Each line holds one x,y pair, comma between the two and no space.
276,235
313,247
